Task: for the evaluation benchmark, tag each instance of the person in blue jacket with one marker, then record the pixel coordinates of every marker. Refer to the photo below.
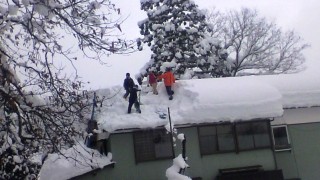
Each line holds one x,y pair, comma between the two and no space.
128,85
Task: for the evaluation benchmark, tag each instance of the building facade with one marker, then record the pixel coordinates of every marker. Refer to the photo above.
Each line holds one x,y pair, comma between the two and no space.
286,147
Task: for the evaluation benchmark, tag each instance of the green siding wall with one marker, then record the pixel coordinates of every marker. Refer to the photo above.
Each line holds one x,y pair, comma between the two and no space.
303,161
206,166
125,167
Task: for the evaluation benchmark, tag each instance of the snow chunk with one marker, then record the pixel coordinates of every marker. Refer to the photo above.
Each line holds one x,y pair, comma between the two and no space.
181,137
25,2
169,27
172,173
13,9
17,159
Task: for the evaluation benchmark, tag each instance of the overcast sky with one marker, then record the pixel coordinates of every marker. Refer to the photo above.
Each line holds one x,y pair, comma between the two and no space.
300,15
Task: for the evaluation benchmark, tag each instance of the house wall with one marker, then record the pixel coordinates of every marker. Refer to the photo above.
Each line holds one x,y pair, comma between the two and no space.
303,161
207,167
125,167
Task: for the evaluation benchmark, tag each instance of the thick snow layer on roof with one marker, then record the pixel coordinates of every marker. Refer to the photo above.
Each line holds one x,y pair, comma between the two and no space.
195,101
75,161
228,99
298,90
212,100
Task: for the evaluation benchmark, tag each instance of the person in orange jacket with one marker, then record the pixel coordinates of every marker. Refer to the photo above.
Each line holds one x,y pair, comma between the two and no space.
168,81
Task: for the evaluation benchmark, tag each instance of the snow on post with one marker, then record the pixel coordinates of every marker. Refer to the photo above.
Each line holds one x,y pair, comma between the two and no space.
172,173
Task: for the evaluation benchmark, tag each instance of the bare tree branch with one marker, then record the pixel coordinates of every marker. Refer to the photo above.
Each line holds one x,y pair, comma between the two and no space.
42,107
256,46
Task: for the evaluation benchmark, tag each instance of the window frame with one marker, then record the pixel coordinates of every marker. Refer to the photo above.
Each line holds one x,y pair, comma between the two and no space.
234,133
268,125
216,136
288,147
152,132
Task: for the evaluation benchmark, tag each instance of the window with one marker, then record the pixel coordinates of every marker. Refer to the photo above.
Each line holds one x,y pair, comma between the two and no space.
280,138
216,138
253,135
237,136
152,145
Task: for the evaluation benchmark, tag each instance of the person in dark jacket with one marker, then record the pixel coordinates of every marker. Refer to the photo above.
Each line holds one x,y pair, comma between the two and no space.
133,99
128,85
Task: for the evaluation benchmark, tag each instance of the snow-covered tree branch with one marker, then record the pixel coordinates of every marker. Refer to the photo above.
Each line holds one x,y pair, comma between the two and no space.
42,107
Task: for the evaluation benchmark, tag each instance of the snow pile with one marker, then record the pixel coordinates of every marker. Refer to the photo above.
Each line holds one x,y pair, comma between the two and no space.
179,163
75,161
211,100
229,99
172,173
195,101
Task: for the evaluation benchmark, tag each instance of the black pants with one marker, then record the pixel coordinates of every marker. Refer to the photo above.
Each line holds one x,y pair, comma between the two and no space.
169,90
136,105
126,94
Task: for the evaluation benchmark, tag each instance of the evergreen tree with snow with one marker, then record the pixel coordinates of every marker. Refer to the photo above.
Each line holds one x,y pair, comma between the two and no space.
177,33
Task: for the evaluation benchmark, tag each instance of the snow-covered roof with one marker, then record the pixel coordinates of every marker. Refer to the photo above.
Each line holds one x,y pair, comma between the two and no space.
297,90
75,161
212,100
